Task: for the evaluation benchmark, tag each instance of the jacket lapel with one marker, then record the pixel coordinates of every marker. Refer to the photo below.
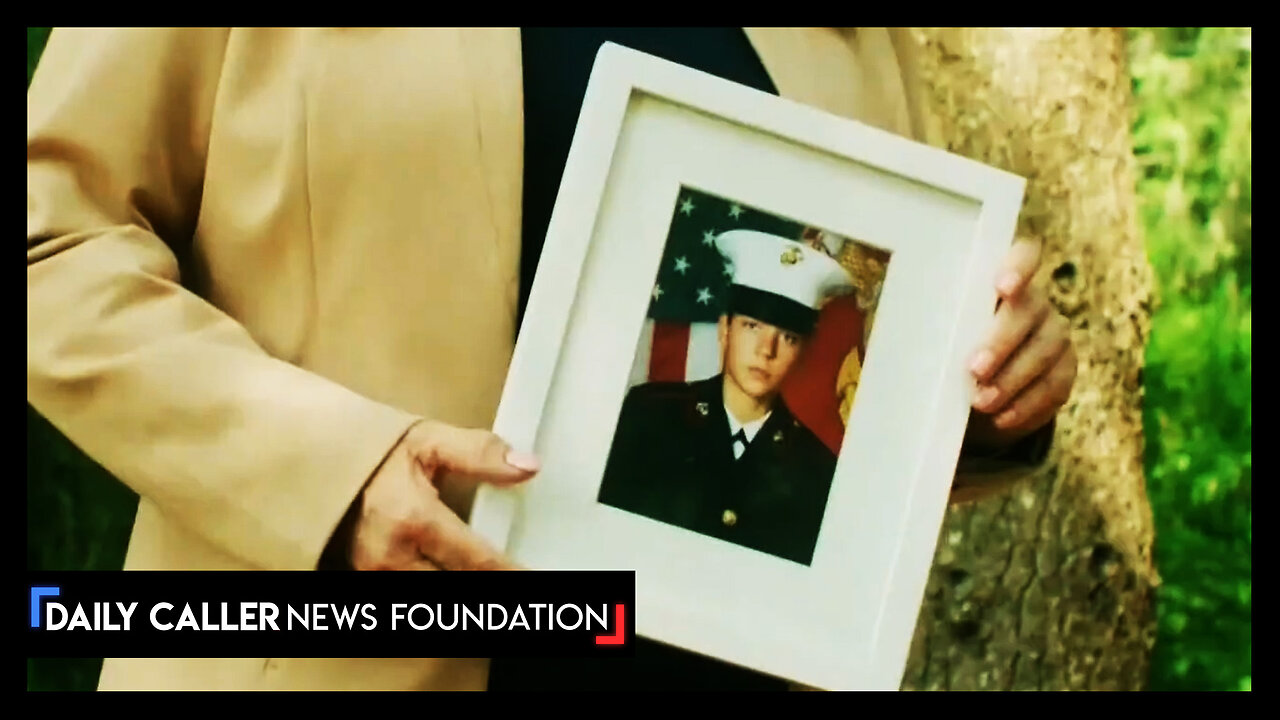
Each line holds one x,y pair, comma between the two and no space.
771,437
712,441
492,61
860,74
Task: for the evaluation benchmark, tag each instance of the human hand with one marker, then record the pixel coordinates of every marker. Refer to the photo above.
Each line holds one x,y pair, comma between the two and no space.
402,522
1027,367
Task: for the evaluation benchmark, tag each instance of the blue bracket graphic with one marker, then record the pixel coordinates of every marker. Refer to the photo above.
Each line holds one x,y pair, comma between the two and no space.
36,594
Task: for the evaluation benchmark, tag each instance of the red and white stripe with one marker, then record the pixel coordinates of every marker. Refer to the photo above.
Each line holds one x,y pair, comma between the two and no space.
676,352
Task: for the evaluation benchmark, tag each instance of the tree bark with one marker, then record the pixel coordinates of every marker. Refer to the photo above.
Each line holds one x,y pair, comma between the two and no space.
1051,585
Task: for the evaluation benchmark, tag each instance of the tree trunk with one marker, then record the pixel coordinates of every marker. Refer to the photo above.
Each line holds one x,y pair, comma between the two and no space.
1051,586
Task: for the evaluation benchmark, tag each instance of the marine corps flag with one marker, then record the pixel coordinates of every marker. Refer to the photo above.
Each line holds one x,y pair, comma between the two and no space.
679,341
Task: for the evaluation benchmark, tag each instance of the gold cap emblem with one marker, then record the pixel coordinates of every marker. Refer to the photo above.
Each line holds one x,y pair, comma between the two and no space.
791,256
729,518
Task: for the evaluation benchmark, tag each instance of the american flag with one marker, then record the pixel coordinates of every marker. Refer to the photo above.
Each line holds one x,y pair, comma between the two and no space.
679,341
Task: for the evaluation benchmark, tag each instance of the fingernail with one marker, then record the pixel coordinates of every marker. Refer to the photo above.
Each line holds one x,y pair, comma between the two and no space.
986,396
981,363
1009,283
523,461
1006,418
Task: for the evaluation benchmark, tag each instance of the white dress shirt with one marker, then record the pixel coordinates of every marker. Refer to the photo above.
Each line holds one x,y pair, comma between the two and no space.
749,430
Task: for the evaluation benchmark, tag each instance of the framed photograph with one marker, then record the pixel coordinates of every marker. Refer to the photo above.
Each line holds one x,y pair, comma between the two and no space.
743,367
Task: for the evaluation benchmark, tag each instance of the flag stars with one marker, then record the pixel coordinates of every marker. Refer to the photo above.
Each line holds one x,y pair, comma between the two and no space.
686,207
735,210
728,269
709,238
682,265
657,292
704,296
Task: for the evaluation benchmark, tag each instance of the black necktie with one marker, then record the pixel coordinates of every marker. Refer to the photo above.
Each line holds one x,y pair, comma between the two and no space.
739,437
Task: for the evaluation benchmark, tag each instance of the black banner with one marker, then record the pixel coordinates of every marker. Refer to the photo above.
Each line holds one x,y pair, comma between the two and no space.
331,614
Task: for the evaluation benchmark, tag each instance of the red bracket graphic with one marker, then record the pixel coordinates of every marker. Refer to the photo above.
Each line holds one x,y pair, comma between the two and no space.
619,635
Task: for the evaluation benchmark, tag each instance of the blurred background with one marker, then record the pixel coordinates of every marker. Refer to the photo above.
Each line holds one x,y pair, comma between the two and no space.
1192,133
1193,140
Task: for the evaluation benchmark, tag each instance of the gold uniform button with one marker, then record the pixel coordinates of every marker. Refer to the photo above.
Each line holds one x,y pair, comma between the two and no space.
729,518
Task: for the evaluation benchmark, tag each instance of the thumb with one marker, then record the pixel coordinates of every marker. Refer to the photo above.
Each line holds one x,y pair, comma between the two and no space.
477,453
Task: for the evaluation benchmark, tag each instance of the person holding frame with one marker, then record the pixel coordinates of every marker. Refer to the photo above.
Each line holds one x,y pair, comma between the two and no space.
274,278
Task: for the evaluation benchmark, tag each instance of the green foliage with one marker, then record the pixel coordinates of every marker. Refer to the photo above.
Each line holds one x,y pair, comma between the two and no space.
36,38
78,518
1193,141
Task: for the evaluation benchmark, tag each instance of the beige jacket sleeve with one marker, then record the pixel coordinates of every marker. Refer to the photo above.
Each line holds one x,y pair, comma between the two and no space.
165,391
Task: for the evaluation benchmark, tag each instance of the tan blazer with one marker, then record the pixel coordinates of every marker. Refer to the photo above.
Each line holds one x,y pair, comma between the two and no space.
256,256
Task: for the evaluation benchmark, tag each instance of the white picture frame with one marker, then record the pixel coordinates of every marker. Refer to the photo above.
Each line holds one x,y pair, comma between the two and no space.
648,127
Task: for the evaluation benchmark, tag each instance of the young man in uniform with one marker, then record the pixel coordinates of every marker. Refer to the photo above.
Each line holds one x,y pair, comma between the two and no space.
724,456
